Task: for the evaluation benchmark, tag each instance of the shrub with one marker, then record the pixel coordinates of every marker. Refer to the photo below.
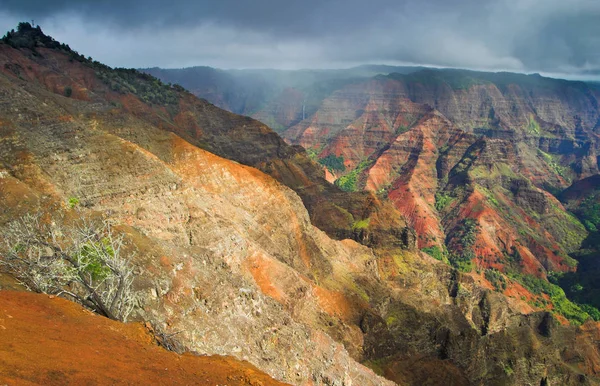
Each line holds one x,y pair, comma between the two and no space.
349,182
312,154
441,201
68,91
361,224
437,253
463,240
82,261
592,311
496,278
144,86
333,163
73,202
575,313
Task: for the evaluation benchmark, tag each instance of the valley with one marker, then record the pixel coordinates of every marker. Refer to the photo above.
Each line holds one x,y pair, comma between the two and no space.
409,228
476,162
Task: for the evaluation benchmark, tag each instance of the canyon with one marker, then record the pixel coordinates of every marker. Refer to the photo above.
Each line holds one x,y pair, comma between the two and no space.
454,150
243,248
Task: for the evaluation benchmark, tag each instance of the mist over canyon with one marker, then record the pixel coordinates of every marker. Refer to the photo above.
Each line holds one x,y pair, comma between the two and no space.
352,224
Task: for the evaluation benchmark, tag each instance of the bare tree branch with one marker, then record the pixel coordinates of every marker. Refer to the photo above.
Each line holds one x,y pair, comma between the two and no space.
82,261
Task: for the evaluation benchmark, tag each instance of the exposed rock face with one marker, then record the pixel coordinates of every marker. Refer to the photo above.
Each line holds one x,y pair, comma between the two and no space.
227,253
446,146
536,129
228,256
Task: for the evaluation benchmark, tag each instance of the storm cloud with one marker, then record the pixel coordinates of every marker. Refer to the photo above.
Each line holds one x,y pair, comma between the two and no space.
521,35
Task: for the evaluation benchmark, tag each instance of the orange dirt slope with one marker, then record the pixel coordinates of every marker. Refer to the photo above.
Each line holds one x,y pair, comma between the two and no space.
51,341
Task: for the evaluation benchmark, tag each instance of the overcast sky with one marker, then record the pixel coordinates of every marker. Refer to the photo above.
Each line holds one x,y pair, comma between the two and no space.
550,36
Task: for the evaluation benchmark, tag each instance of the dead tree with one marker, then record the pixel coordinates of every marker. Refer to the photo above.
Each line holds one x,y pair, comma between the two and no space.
82,261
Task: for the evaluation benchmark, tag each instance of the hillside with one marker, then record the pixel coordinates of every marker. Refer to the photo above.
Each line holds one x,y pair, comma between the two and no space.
52,341
230,234
279,98
460,150
487,147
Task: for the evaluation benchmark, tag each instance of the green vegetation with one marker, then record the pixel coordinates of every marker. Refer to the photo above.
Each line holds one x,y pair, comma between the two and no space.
333,163
563,306
463,240
533,127
91,258
515,256
402,129
82,261
437,253
146,87
589,213
377,365
489,196
582,286
496,278
384,190
349,182
442,200
312,154
508,370
73,202
552,162
31,37
361,224
592,311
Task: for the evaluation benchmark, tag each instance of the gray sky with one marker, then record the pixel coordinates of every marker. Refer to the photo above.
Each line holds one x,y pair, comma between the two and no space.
551,36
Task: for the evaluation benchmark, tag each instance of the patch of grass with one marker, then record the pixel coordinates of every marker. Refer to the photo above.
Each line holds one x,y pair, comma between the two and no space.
563,306
508,370
533,127
390,320
442,200
402,129
349,182
437,253
552,162
489,195
361,224
73,202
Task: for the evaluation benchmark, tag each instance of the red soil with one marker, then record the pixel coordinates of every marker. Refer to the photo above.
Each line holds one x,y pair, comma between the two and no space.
51,341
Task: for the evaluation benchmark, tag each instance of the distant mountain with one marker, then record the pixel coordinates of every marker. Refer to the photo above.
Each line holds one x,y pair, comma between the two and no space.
279,98
455,150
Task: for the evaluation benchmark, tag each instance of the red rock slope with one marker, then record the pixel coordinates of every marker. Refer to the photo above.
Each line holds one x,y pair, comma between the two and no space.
52,341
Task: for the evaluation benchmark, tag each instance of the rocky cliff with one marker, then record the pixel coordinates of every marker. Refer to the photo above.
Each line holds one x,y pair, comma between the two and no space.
501,131
228,258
